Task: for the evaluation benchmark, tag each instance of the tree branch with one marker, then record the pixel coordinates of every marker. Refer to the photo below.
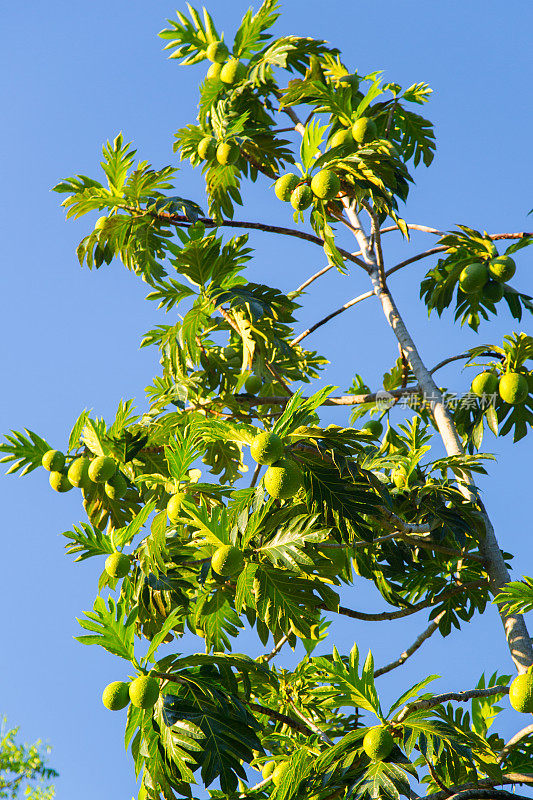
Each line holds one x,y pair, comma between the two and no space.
310,724
275,650
514,741
438,699
460,357
472,790
418,642
331,316
289,721
345,400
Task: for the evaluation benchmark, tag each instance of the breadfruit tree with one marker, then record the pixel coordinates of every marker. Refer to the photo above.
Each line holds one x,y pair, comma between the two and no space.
188,543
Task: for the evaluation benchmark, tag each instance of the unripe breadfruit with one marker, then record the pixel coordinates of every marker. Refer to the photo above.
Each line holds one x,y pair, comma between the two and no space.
59,482
268,769
116,695
227,153
493,291
116,486
342,138
283,479
227,560
174,506
101,469
213,73
301,197
100,223
78,472
217,52
399,477
266,448
253,384
207,148
513,388
117,565
473,278
502,268
144,691
374,426
233,72
285,186
485,383
521,693
278,772
53,460
325,184
378,743
364,130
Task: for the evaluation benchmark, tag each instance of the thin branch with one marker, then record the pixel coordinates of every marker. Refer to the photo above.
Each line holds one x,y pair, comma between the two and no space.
331,316
460,357
310,724
314,277
289,721
345,400
472,790
447,792
275,650
418,642
255,476
514,741
416,541
411,260
414,227
486,794
438,699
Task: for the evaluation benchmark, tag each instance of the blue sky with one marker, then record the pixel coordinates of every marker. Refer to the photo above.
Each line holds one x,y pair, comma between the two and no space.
77,75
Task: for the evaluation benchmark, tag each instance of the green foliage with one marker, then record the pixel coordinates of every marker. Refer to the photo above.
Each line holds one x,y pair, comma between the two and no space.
23,769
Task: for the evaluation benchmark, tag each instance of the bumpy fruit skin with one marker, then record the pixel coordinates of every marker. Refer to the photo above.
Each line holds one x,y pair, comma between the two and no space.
473,278
521,693
213,73
374,426
100,223
53,460
342,138
78,472
485,383
266,448
207,148
378,743
217,52
144,691
233,72
253,384
268,769
116,695
116,486
301,197
364,130
59,482
227,560
285,186
493,291
174,506
283,479
513,388
278,773
227,153
117,565
502,268
325,184
399,478
102,469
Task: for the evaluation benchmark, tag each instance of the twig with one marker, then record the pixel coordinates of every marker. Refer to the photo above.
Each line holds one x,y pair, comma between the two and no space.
310,724
318,274
460,357
460,697
331,316
514,741
411,260
418,642
435,777
275,650
275,374
289,721
472,790
255,476
345,400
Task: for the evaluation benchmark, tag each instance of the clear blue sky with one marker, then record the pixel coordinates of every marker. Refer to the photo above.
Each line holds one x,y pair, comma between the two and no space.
75,75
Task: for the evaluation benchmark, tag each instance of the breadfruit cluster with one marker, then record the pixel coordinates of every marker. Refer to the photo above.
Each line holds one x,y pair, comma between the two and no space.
513,387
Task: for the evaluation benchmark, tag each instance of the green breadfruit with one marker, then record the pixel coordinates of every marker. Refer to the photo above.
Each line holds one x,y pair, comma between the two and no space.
144,691
207,148
233,72
268,769
364,130
278,772
325,184
117,565
253,384
513,388
485,383
102,469
493,291
116,695
78,472
59,481
473,278
378,743
217,52
285,186
266,448
116,486
228,153
53,460
213,73
343,137
174,506
374,426
227,560
301,197
502,268
521,693
283,479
